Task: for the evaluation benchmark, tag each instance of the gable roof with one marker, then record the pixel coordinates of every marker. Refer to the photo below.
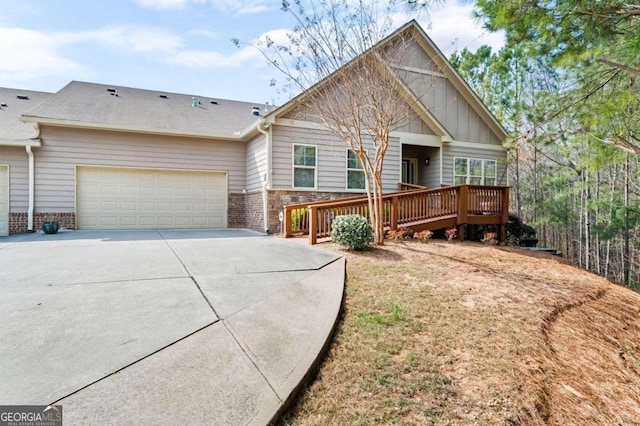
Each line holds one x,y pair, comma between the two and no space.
432,50
456,79
14,103
108,107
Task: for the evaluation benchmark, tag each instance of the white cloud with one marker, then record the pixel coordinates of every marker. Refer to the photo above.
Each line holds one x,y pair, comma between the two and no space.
128,39
245,55
162,4
243,7
32,54
453,28
228,7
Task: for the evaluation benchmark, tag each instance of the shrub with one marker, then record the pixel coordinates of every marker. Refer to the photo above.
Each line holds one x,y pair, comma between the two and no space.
352,231
519,233
423,236
400,234
490,238
299,219
451,233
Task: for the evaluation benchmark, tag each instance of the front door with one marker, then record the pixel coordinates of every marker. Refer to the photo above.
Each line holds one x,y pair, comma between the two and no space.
410,170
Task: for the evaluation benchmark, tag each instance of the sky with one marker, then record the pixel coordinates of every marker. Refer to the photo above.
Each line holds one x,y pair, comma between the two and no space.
177,46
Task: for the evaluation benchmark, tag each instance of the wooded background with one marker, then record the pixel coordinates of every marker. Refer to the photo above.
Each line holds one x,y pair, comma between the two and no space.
566,86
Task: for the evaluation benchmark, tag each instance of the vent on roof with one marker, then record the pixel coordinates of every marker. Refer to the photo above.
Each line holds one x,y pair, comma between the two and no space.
195,101
113,91
3,105
214,102
163,96
255,111
23,97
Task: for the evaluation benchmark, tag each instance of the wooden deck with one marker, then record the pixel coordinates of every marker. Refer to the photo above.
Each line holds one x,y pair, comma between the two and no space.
417,209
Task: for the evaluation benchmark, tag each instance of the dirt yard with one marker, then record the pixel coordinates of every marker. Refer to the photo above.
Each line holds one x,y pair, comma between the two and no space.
468,334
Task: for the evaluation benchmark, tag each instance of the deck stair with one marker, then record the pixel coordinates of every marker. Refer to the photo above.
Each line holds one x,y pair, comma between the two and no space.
417,209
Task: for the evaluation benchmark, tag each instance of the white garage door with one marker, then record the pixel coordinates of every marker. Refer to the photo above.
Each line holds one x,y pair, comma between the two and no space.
4,201
121,198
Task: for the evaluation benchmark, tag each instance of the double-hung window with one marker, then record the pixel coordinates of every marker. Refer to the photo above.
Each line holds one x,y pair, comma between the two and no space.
355,172
474,171
304,166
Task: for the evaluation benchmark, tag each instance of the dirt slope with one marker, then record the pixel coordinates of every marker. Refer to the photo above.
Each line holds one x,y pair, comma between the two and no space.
522,338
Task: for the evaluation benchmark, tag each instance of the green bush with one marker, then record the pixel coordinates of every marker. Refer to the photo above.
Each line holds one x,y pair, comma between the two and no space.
352,231
299,219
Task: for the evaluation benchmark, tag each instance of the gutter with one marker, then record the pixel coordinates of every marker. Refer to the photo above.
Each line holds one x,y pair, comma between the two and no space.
265,129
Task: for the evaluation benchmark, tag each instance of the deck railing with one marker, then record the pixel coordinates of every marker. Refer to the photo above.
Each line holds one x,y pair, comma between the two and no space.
447,206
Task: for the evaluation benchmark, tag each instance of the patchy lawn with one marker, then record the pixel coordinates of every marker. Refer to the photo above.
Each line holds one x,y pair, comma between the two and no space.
467,334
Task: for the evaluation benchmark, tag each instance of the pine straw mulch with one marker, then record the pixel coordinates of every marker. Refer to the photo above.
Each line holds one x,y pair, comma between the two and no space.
523,338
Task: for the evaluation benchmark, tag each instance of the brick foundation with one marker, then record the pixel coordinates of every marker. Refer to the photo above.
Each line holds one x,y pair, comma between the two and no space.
18,221
244,210
277,199
235,211
254,212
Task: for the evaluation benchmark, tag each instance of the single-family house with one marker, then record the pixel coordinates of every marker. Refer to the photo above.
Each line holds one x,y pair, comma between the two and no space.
96,156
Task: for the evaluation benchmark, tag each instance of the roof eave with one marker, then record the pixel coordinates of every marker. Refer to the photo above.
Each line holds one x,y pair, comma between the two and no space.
130,129
21,142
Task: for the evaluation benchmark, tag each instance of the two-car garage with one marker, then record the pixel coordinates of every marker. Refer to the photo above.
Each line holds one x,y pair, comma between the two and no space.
136,198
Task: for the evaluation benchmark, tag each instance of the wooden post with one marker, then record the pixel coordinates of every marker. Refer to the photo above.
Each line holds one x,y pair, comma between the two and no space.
463,207
287,222
505,214
313,225
393,220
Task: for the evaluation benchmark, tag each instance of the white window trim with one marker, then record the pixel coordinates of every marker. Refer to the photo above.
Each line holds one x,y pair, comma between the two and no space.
293,168
482,178
347,170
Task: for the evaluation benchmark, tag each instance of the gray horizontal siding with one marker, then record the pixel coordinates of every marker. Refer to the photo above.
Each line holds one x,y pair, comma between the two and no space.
452,151
331,159
256,162
63,149
18,162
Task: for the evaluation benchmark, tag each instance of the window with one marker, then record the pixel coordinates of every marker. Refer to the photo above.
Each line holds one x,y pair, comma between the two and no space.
355,172
474,171
304,166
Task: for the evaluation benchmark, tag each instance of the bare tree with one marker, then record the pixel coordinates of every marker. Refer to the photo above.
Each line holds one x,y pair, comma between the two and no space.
341,58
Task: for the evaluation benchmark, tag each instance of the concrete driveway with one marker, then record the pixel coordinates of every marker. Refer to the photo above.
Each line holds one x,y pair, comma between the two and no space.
162,327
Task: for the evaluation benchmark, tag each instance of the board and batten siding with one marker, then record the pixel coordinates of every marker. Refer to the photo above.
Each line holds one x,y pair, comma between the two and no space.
256,162
451,151
442,99
18,162
331,159
63,148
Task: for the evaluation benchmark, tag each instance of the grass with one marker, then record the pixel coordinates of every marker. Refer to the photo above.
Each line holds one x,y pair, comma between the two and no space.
444,334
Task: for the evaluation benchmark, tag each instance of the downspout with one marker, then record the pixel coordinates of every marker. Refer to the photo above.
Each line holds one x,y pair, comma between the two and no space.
266,185
31,189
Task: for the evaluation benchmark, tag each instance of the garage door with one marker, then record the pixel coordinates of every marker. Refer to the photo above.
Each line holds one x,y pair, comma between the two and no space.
4,201
122,198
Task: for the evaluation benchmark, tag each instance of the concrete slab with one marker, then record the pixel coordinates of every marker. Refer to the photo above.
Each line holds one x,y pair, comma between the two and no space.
87,257
58,339
257,254
78,306
284,333
204,379
232,293
11,239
